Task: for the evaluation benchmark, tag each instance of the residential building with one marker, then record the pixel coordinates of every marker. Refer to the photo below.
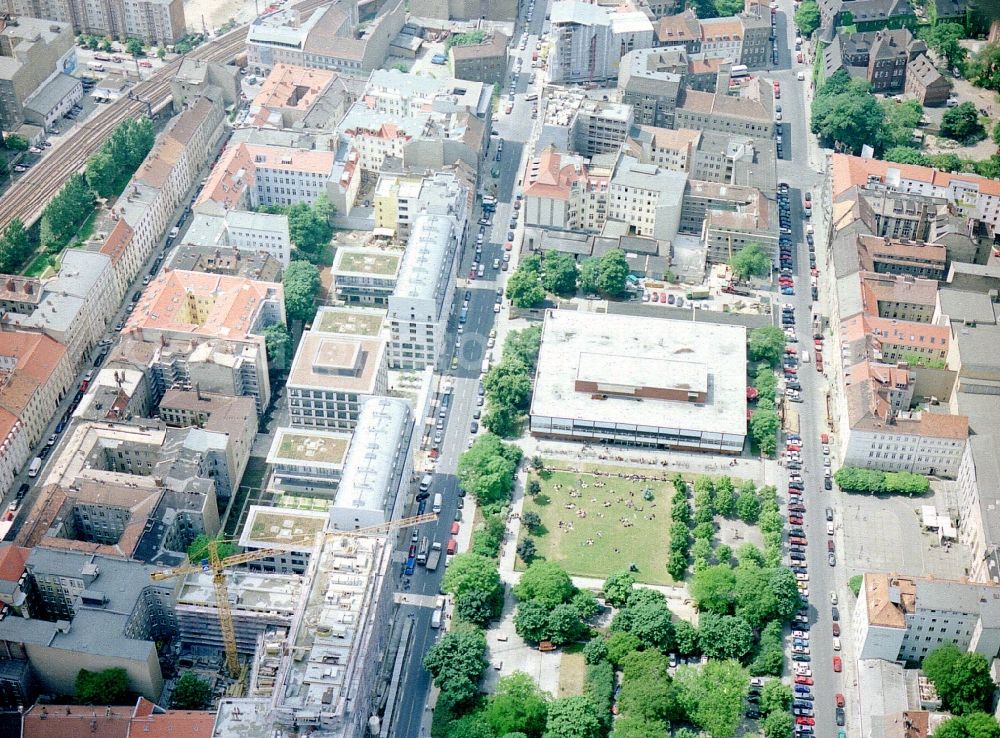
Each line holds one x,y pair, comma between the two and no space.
400,199
200,78
866,15
154,22
561,192
682,29
750,114
899,297
651,80
582,42
365,275
259,603
728,217
331,37
904,618
664,147
291,531
377,467
255,265
308,462
592,368
484,62
36,58
646,197
245,231
600,127
117,395
419,308
895,256
303,99
969,195
879,57
733,160
738,39
96,613
393,92
473,10
331,377
925,83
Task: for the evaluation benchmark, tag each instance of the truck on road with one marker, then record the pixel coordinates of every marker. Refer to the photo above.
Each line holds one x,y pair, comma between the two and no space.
434,557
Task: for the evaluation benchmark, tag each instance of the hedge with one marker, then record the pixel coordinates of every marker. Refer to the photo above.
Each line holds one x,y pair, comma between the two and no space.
853,479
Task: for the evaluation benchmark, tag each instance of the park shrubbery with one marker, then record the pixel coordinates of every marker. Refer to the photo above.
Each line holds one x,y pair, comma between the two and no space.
854,479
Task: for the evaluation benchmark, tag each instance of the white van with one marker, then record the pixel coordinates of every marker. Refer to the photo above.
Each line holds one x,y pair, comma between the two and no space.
486,366
425,483
805,357
436,507
480,271
36,466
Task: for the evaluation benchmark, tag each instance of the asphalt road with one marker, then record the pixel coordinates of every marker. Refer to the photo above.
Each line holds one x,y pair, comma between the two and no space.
515,130
794,168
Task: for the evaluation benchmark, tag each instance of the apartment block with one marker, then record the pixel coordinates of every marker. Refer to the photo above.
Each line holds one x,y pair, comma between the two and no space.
364,275
243,230
400,199
256,265
154,22
505,10
200,78
562,192
331,377
308,462
331,37
600,127
646,197
880,57
291,531
117,395
96,613
904,618
651,81
419,307
36,58
582,49
750,114
899,297
485,62
729,230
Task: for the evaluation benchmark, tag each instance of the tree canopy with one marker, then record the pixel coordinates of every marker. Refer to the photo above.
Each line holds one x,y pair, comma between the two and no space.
767,344
518,706
961,123
983,69
302,284
943,39
713,695
278,343
547,582
605,275
559,273
618,587
844,112
457,661
524,286
107,687
807,17
973,725
524,345
855,479
572,717
724,636
487,469
750,261
191,692
962,679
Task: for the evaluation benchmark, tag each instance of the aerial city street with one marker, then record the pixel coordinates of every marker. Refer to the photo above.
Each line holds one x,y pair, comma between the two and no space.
508,369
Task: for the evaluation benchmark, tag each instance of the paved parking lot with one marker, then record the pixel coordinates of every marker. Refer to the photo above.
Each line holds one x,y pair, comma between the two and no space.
884,534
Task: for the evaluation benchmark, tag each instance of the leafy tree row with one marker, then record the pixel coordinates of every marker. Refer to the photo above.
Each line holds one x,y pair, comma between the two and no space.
807,17
680,530
486,471
558,273
508,389
854,479
302,284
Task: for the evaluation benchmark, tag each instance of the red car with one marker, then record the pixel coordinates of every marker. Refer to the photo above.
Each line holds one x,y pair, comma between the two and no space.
837,664
803,720
840,699
792,447
836,629
454,528
798,541
803,680
791,370
472,273
795,519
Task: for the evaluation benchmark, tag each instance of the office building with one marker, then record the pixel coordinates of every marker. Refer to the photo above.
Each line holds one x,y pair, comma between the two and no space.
154,22
651,81
292,531
308,462
633,380
365,275
749,114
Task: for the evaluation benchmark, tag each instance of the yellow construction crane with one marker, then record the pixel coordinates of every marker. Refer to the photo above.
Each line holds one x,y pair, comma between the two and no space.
217,566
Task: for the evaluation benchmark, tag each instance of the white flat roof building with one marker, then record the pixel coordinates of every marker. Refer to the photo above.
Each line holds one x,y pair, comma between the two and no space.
308,462
642,381
376,464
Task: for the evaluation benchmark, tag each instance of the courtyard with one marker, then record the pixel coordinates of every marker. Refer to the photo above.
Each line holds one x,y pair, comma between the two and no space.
601,520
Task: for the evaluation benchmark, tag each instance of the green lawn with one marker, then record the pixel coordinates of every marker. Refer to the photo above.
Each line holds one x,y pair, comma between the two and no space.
37,266
600,543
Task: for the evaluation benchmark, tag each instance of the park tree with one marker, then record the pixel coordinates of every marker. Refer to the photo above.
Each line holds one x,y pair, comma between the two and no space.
191,692
807,17
478,606
943,39
301,282
524,286
725,636
527,550
973,725
65,213
531,621
620,644
900,120
725,497
844,112
713,696
134,47
983,70
559,273
502,421
198,549
471,572
962,680
16,142
775,696
770,658
531,520
107,687
750,261
518,706
585,603
779,725
766,383
572,717
636,726
647,617
647,689
456,662
767,344
712,589
524,345
961,123
564,624
487,469
764,425
547,582
278,343
596,650
686,639
617,588
509,384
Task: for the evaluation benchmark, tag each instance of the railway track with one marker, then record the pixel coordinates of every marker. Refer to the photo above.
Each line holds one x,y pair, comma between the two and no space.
31,192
